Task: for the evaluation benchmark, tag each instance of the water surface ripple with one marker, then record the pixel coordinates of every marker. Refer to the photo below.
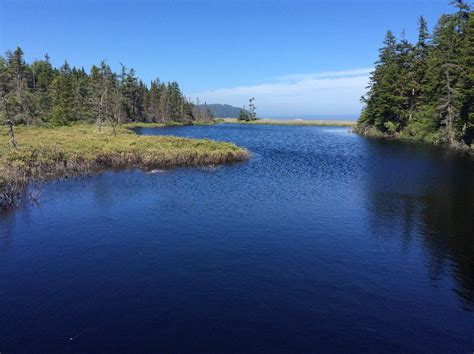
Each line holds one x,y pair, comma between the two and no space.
323,241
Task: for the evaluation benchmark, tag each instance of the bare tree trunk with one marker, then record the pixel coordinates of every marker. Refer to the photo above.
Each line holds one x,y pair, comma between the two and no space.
12,133
113,127
412,104
450,113
99,120
10,124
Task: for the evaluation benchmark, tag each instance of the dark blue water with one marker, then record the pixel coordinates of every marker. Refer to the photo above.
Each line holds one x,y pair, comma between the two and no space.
324,241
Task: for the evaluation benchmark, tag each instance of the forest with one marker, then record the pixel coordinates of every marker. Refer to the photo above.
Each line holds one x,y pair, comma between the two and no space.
39,94
425,90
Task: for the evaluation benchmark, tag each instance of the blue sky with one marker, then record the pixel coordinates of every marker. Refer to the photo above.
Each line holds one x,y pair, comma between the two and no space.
298,58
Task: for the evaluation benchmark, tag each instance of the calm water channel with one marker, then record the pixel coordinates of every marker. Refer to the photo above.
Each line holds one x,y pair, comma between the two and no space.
323,241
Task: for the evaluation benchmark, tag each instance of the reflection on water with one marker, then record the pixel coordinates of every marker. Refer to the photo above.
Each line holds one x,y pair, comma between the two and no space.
426,194
322,240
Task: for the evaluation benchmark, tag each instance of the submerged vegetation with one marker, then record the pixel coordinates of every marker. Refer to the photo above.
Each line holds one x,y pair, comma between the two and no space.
49,153
425,91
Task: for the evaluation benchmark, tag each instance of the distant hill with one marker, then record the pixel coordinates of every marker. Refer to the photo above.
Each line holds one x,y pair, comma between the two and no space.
222,110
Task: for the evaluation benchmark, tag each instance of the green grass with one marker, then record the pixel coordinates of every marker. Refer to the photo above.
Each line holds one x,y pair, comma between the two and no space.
296,122
151,125
48,153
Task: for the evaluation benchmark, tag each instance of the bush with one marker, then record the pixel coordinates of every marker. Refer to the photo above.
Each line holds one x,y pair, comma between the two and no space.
422,127
391,127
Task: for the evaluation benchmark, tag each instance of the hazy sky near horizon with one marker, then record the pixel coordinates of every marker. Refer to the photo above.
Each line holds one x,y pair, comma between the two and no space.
297,58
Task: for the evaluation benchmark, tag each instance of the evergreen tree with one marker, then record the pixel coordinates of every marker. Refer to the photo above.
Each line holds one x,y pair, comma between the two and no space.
445,73
62,97
381,100
467,90
153,107
425,91
420,63
243,115
40,93
252,109
16,85
165,109
43,74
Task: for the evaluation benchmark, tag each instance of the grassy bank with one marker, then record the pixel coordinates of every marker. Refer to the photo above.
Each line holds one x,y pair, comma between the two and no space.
430,138
297,122
49,153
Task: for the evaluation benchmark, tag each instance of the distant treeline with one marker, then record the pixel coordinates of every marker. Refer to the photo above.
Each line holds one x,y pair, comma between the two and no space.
425,91
39,93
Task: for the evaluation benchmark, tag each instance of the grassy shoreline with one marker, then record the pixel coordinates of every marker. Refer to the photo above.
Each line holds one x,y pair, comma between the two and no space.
373,133
50,153
295,122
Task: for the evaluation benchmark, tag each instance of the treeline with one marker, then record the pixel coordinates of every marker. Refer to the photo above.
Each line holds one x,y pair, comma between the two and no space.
38,93
425,91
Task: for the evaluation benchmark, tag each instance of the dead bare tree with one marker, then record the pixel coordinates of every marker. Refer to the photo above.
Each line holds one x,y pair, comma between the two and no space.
10,123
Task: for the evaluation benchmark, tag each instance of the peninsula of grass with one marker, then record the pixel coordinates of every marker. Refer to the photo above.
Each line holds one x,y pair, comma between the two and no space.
50,153
295,122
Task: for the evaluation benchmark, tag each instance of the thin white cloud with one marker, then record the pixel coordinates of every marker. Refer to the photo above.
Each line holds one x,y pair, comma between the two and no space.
325,93
327,74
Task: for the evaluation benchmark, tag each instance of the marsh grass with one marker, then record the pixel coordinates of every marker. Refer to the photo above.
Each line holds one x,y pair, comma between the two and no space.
49,153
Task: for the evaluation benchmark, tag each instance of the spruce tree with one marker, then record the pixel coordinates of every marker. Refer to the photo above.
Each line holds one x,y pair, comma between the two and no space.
381,100
467,90
16,84
243,115
420,63
153,107
425,91
62,97
43,75
444,75
40,93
